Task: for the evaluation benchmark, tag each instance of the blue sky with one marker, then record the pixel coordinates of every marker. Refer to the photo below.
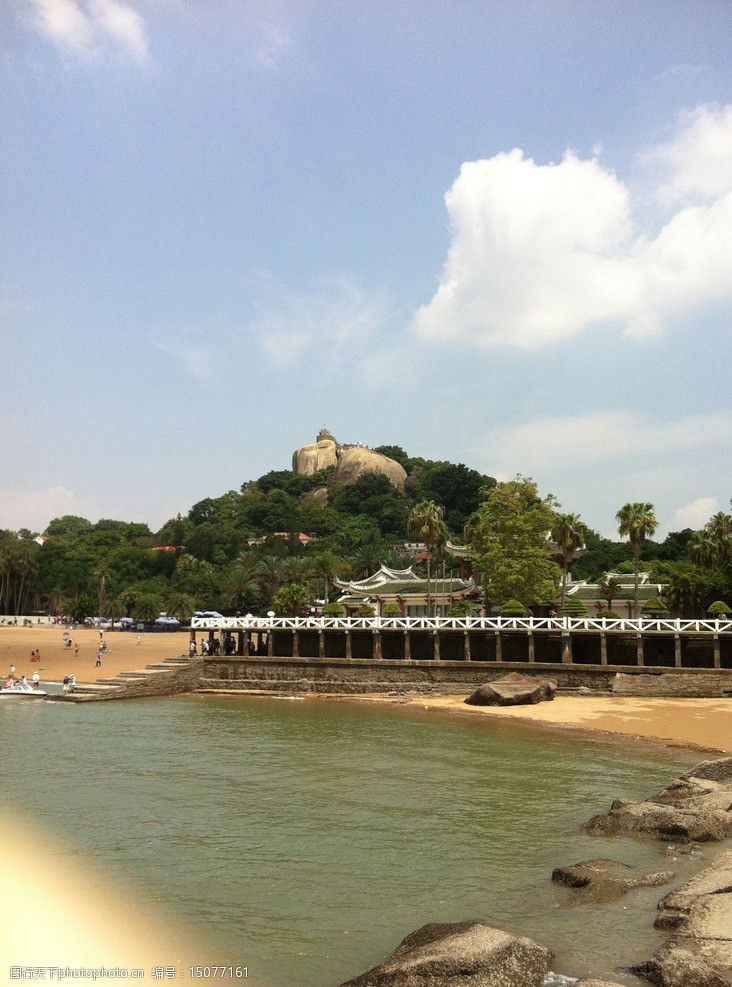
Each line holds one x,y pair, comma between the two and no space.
491,233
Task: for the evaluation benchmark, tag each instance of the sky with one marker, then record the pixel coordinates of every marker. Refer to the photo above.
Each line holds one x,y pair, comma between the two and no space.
497,234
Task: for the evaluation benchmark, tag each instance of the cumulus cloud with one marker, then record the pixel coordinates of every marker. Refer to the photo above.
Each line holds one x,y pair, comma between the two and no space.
85,27
541,252
696,513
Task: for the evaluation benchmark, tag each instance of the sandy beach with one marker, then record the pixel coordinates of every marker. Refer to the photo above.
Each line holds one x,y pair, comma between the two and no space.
16,644
704,723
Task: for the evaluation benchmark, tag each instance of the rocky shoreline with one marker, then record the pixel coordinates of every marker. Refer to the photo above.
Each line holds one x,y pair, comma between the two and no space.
694,808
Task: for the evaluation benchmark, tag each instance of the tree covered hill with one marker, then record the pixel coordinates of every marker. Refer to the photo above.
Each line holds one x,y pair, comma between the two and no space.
223,554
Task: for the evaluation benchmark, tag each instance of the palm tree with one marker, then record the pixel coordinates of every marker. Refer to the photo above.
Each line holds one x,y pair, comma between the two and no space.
568,534
328,566
703,547
290,601
242,583
606,589
636,522
271,574
366,559
426,523
180,605
720,529
102,574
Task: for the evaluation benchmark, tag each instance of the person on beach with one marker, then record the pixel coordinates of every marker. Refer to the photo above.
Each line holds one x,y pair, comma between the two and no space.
138,642
36,679
12,672
192,649
98,663
76,649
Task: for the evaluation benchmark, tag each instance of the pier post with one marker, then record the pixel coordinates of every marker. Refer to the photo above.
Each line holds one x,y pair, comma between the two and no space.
499,647
270,644
349,647
240,643
321,644
717,652
295,644
407,646
532,650
639,650
603,648
436,646
566,648
466,646
376,646
210,642
677,651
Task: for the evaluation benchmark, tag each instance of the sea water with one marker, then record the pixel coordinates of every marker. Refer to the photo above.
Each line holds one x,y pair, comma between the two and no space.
304,840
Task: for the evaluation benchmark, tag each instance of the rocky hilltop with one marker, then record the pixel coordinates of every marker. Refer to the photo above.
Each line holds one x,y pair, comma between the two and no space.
350,461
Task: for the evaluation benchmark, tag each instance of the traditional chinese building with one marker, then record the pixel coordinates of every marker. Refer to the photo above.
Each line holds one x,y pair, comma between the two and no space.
405,589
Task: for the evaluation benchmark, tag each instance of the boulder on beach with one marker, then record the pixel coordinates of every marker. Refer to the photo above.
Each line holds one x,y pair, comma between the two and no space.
513,689
460,954
603,879
676,966
696,807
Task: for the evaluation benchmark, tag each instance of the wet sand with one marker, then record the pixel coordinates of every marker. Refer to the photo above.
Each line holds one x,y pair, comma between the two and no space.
703,723
16,644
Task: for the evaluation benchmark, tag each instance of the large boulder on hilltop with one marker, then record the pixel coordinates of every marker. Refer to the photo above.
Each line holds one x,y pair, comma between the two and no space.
317,456
460,954
356,461
513,689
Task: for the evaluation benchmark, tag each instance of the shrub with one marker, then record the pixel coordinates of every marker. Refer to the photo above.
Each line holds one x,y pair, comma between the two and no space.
609,614
655,607
718,609
573,608
365,610
513,608
332,610
392,610
462,609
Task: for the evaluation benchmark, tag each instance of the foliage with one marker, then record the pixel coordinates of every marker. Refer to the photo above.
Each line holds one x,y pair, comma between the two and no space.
513,608
568,534
463,608
508,533
608,614
392,610
573,608
426,524
655,607
365,610
292,600
332,610
718,609
636,522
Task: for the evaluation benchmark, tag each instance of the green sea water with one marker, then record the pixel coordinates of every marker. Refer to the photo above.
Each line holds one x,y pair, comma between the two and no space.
305,839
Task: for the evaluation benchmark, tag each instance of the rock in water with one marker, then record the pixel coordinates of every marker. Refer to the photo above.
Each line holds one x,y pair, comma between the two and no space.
460,954
674,966
602,879
694,807
356,461
513,690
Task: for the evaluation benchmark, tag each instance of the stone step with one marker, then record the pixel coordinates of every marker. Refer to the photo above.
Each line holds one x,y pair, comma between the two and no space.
92,687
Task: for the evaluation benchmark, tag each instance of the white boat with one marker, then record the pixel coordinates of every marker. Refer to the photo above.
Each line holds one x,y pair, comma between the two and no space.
18,692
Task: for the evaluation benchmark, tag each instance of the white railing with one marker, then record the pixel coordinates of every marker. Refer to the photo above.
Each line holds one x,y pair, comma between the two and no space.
596,624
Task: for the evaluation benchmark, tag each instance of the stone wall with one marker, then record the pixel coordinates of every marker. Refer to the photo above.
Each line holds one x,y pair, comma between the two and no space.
157,680
699,684
369,676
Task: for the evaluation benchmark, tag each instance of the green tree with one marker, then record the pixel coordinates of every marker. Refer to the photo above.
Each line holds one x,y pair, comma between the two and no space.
328,566
426,524
508,534
568,534
180,605
147,608
292,600
573,608
636,522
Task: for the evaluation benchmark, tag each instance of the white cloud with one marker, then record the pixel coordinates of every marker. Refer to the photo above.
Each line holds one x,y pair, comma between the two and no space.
614,436
596,462
697,163
35,508
540,253
274,41
336,313
85,27
696,513
185,346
